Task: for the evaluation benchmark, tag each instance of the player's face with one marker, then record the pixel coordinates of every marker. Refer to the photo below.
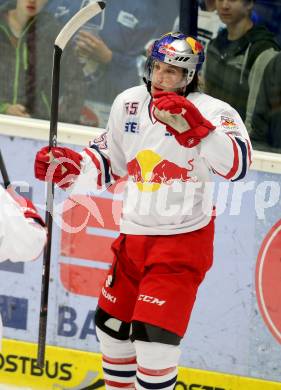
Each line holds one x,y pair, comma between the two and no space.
166,77
30,8
232,12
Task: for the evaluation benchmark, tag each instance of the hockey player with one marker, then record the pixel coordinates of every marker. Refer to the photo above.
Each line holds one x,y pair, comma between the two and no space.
22,231
169,139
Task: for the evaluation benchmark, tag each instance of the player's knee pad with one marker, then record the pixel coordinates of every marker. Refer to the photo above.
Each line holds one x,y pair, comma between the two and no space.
151,333
114,348
156,348
115,328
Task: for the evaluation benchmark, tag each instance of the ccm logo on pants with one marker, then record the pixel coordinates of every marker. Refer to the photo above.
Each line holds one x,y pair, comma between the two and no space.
148,299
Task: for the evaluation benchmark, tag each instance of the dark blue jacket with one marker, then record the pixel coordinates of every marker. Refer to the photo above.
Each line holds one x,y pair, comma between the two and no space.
266,122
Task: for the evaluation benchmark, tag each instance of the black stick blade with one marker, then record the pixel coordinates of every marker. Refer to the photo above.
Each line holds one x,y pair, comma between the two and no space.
101,4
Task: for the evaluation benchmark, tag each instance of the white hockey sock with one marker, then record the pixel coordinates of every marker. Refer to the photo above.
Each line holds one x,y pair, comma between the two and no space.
156,379
119,373
157,365
118,362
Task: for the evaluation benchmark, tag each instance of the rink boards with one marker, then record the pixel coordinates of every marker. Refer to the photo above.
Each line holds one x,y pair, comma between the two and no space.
78,370
236,323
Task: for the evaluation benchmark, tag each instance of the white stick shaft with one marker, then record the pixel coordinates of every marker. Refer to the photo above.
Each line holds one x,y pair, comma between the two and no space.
77,21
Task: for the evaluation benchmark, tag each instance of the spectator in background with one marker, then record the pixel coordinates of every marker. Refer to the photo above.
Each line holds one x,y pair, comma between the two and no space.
110,45
269,14
236,58
7,4
27,36
209,23
266,122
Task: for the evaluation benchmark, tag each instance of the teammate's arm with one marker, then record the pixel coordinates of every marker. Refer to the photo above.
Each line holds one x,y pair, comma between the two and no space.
22,233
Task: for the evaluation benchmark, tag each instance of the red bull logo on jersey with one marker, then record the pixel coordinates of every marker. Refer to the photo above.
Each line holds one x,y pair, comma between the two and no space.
228,122
150,171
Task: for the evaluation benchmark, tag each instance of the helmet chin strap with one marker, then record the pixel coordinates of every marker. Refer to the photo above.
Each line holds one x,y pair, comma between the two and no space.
182,91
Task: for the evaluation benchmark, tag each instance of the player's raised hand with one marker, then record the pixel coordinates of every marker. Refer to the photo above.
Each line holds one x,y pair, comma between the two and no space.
181,118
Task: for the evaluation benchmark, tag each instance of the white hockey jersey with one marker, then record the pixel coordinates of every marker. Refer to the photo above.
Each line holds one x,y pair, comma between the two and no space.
169,189
21,239
209,24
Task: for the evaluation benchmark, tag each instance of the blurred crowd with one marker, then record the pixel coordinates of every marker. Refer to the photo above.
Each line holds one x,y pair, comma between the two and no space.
101,60
241,64
242,41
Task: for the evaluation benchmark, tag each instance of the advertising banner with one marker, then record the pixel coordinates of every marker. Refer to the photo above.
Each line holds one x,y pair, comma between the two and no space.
236,323
80,370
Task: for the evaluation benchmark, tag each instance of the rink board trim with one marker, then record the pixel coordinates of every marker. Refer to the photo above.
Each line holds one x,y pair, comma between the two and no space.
81,135
77,370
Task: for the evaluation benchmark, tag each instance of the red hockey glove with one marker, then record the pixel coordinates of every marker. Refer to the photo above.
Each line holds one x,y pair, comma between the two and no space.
181,118
26,206
60,165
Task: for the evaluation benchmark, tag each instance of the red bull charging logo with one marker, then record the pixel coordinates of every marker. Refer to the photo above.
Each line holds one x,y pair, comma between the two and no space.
150,171
195,45
168,50
228,122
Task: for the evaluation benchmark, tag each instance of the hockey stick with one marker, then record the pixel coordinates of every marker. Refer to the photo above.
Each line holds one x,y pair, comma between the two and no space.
63,38
4,172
